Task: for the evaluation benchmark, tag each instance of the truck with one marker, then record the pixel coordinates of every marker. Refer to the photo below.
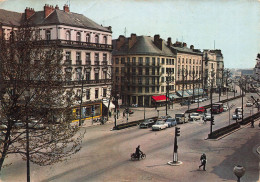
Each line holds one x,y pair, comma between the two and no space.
181,118
217,108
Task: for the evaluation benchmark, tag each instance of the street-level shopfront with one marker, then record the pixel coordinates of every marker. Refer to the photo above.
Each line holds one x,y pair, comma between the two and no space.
88,111
159,100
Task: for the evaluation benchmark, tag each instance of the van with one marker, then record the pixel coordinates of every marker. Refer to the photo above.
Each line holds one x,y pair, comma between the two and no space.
181,118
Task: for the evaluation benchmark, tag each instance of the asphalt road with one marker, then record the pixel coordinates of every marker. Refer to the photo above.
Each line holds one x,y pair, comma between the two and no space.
105,154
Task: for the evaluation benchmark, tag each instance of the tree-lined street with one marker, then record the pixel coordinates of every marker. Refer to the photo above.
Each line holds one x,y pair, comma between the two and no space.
105,155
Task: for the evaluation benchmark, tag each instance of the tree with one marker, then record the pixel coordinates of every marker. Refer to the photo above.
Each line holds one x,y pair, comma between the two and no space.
36,107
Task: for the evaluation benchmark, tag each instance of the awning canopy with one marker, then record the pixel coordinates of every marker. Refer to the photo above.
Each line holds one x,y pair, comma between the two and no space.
173,96
185,93
111,106
159,98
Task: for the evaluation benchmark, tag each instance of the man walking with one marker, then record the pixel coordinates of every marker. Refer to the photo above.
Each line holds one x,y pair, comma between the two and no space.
203,160
252,123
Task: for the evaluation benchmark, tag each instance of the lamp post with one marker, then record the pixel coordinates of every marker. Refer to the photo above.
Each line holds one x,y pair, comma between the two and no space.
239,171
168,80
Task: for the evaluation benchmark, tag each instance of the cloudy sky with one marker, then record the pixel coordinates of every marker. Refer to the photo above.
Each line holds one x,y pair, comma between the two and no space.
234,25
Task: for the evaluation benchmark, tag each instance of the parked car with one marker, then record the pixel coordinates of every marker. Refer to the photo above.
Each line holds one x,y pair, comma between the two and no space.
181,118
238,109
3,127
237,116
207,117
249,104
164,118
171,122
36,124
225,108
201,110
146,123
159,125
195,116
200,100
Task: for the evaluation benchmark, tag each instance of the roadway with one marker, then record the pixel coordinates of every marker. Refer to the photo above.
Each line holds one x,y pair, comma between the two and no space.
105,154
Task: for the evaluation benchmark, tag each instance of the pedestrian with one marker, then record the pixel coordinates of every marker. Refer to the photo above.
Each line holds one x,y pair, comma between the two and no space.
252,123
203,160
109,113
123,114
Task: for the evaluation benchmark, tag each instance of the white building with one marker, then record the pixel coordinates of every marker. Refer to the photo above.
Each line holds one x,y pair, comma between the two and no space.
86,45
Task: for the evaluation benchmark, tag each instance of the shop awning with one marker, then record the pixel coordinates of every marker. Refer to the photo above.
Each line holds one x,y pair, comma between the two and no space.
185,94
111,106
173,96
159,98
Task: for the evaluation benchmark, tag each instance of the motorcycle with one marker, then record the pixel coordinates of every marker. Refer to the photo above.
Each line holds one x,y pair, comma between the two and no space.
134,156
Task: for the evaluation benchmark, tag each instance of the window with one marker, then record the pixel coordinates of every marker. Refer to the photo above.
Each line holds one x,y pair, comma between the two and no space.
96,39
104,57
186,60
153,71
140,61
179,60
162,79
96,57
117,69
104,92
97,76
147,61
122,60
78,36
147,81
87,56
105,40
87,76
158,61
172,61
133,71
162,88
68,74
134,60
117,61
190,61
123,70
193,61
133,89
162,60
128,60
78,74
147,71
139,80
140,71
67,35
87,38
182,60
153,80
146,89
68,55
96,93
162,70
88,94
153,89
78,56
140,89
153,61
48,35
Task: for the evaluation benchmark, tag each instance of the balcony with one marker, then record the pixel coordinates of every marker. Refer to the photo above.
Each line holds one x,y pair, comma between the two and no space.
84,45
101,81
78,62
105,63
88,63
68,62
96,63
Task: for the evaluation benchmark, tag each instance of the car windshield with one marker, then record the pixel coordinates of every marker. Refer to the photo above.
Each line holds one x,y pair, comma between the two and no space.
194,114
159,122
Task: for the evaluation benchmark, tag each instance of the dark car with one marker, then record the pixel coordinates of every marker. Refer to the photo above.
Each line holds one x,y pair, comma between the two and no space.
147,123
185,103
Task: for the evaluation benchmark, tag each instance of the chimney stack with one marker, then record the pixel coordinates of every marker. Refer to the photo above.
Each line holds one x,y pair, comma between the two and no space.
132,40
66,8
120,41
158,41
184,44
57,7
48,10
192,47
169,42
29,12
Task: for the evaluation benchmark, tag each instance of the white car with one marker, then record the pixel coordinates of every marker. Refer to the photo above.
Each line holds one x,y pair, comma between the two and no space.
237,116
249,104
207,117
225,108
159,125
195,116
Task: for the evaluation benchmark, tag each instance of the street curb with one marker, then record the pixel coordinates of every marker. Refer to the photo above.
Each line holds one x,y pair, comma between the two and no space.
241,127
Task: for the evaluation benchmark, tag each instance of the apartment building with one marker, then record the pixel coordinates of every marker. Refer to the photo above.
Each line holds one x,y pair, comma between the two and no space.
256,73
143,70
86,46
189,69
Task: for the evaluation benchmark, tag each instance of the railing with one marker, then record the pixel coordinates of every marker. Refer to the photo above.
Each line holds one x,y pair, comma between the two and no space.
106,81
68,62
75,44
78,62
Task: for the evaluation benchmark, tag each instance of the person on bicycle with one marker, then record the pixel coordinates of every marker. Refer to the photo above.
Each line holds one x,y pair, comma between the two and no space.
138,152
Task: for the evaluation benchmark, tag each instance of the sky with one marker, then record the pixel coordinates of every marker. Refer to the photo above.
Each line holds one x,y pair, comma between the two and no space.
234,25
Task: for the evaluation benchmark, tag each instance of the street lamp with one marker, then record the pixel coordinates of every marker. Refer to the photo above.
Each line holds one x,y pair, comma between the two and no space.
239,171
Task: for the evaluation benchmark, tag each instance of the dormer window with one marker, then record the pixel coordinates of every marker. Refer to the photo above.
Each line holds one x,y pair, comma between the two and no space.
105,40
48,35
87,38
68,35
96,39
78,36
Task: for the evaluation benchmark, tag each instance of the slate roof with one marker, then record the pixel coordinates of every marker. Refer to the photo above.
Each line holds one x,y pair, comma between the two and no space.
187,50
10,17
144,46
57,17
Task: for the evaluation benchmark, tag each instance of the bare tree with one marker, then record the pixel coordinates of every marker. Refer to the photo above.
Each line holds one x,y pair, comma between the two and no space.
36,107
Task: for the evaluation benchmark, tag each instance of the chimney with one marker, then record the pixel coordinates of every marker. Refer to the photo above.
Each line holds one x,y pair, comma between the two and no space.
109,28
29,12
192,47
132,40
120,41
66,8
48,10
184,44
169,42
177,44
57,7
158,41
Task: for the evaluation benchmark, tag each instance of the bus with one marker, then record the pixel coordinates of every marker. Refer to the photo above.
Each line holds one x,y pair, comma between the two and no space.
217,108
